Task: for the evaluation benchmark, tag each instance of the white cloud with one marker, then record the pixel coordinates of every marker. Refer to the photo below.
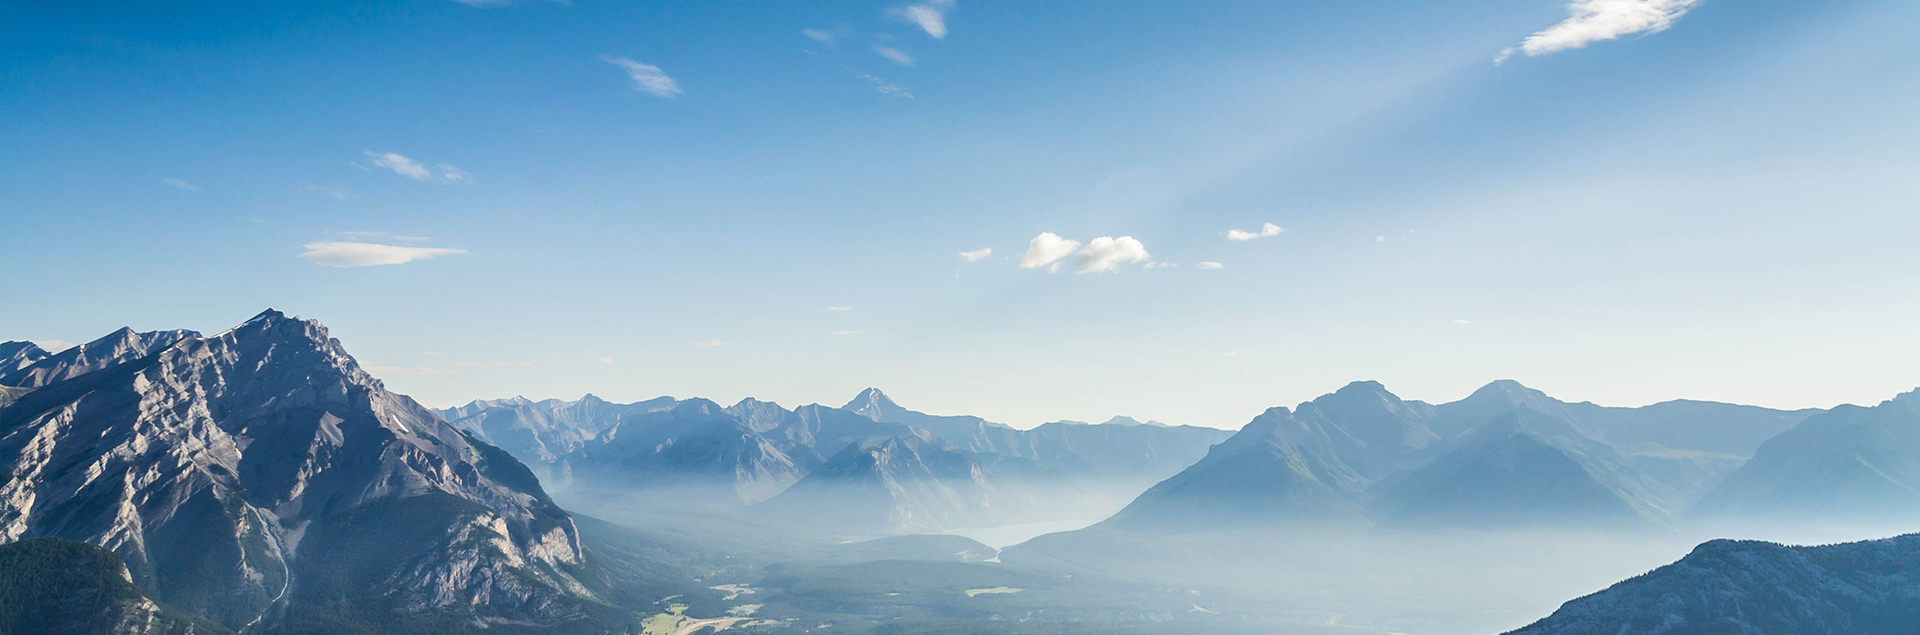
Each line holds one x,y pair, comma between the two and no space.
401,165
349,254
431,353
710,343
1236,352
1268,229
1463,321
647,78
1107,253
930,15
1598,20
839,308
883,87
976,255
1047,249
1208,265
1158,265
492,364
606,360
898,56
53,346
846,332
1379,239
181,184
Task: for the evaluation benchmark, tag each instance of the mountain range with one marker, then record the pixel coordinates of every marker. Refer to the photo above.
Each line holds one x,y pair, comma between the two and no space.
905,470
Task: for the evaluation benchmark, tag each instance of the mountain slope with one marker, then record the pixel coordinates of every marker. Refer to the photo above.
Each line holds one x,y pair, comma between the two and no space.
965,432
1849,463
231,472
696,453
913,484
1504,475
1309,465
53,585
1725,586
538,433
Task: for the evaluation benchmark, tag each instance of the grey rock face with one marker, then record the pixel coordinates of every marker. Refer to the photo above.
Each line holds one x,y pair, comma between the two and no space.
228,470
118,346
1725,586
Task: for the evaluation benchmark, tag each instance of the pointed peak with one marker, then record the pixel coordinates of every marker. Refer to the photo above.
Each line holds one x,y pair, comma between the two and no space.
269,315
1123,420
871,402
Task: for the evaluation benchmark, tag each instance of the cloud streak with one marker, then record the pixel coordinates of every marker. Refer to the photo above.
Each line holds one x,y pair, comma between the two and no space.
1266,230
351,254
931,16
885,88
1599,20
181,184
407,167
647,78
898,56
1207,264
976,255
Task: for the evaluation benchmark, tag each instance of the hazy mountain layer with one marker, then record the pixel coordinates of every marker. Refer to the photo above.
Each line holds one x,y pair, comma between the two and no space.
911,484
1725,586
1848,463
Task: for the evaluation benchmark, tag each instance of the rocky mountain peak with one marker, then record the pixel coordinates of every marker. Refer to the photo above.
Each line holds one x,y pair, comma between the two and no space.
873,404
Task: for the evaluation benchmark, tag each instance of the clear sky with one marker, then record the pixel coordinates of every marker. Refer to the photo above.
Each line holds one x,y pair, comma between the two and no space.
1642,200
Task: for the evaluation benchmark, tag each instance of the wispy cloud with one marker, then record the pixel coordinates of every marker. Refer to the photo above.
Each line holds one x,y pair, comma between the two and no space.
931,16
352,254
647,78
826,37
378,235
898,56
1106,254
407,167
492,364
839,308
1598,20
1205,264
606,360
431,353
1046,250
413,371
846,332
885,88
337,193
710,343
1238,351
181,184
1463,321
976,255
1267,229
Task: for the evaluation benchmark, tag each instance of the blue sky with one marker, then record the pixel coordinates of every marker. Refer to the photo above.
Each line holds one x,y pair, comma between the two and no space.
1644,200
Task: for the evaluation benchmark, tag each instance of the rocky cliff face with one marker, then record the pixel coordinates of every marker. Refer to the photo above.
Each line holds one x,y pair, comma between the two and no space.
1726,586
260,475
